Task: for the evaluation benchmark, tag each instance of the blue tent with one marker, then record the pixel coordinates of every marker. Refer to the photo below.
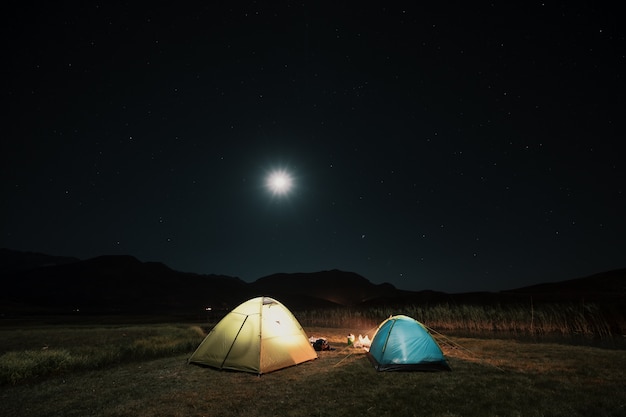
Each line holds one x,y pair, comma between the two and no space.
402,343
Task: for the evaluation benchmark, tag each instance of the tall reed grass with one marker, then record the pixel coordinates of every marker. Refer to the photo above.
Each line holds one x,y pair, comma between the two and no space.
566,320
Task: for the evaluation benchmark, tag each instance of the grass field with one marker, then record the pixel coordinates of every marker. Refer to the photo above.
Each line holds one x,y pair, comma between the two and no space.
145,373
540,321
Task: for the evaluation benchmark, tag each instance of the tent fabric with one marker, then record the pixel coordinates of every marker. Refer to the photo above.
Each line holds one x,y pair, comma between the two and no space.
259,336
402,343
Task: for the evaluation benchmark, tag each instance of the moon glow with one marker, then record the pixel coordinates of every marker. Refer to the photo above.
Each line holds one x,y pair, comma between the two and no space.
279,182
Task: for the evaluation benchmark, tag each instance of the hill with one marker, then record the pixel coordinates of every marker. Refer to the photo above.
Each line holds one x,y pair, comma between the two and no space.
335,286
11,261
609,285
38,283
112,284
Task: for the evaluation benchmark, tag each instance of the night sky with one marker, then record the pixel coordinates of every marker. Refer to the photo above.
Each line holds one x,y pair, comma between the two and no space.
456,147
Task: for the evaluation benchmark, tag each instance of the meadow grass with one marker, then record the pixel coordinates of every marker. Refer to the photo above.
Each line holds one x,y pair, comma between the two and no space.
490,377
27,353
124,369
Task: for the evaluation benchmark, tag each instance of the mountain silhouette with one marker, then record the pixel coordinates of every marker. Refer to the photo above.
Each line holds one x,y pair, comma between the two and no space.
38,283
335,286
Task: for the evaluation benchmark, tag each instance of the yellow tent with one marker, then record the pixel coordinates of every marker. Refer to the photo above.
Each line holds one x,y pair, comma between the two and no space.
260,335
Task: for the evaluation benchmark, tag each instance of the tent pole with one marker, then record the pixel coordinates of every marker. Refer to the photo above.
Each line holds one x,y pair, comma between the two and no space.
233,344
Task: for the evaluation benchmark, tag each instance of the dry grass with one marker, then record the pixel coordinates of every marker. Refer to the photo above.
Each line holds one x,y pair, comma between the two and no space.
579,321
489,378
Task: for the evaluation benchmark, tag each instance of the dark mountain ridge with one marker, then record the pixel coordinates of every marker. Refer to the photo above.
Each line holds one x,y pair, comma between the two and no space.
596,287
37,283
335,286
11,260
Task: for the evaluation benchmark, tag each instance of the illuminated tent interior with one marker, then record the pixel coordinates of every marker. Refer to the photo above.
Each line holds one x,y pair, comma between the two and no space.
259,336
402,343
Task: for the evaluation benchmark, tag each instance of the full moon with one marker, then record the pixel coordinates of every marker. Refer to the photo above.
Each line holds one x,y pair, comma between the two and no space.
279,182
